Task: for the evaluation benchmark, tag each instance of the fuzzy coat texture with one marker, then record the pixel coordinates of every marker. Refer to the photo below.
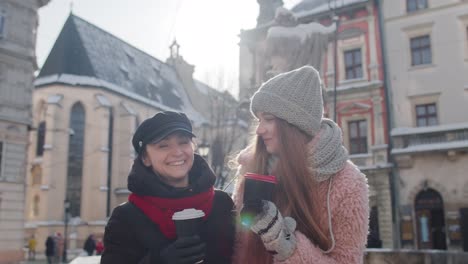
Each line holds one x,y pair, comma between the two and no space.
349,204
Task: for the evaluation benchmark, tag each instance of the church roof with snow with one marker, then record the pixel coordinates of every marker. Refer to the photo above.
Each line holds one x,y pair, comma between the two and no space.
87,55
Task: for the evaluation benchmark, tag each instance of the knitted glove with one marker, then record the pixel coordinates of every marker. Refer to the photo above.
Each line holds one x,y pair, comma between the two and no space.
185,250
276,232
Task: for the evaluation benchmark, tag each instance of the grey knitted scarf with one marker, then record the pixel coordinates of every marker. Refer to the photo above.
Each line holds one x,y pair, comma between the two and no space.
327,155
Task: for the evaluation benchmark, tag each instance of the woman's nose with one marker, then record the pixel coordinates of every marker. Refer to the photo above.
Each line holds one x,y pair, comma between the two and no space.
177,151
260,129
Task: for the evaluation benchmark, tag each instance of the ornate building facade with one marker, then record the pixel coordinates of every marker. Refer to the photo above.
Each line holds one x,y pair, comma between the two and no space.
427,50
18,23
361,103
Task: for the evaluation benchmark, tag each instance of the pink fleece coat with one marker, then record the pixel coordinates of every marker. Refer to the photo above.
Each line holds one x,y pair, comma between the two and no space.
349,206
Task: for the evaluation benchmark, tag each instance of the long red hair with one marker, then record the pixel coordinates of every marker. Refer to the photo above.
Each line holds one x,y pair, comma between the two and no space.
295,192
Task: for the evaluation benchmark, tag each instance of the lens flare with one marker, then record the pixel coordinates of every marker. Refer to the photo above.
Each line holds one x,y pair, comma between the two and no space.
247,219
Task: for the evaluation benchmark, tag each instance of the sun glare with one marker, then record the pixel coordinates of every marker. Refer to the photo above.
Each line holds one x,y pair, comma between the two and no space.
208,30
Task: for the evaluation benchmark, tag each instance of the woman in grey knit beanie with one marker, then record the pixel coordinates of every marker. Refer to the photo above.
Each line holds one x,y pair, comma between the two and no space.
319,211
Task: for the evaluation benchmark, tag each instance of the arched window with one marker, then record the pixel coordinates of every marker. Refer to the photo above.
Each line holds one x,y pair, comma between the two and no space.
41,132
430,220
75,158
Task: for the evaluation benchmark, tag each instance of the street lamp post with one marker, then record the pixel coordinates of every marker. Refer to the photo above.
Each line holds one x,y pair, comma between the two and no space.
66,211
336,20
203,150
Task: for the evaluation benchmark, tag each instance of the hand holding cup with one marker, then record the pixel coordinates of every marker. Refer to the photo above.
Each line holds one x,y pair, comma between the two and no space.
258,187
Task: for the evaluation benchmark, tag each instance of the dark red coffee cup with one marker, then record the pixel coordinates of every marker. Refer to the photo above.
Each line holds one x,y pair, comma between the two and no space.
258,187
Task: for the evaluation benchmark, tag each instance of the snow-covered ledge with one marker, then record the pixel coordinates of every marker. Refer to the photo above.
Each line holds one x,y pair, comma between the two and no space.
405,131
360,156
432,147
122,191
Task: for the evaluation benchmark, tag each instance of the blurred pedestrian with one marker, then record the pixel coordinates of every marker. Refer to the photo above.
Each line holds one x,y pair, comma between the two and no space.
32,243
99,247
319,211
89,245
50,249
168,177
59,244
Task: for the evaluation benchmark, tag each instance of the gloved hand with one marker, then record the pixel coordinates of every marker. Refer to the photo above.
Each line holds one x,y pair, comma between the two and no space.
185,250
249,211
276,232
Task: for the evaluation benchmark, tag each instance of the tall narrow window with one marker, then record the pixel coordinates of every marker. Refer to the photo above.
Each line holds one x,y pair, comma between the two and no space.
2,23
421,50
357,136
415,5
1,159
75,159
353,64
41,131
36,206
426,115
36,173
466,38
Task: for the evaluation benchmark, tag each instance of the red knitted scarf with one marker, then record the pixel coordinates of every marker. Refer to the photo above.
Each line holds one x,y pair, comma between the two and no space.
160,210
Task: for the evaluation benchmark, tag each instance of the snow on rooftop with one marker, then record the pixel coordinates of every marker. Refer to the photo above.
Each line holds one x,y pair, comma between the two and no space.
91,81
326,7
404,131
355,85
201,87
301,31
281,11
376,166
71,79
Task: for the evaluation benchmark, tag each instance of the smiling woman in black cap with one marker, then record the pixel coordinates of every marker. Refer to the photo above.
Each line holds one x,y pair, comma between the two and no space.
168,177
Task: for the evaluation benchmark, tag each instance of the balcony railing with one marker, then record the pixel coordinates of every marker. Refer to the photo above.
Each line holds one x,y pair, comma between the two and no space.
435,138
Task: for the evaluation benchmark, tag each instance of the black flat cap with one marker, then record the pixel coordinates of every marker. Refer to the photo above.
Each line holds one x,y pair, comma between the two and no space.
158,127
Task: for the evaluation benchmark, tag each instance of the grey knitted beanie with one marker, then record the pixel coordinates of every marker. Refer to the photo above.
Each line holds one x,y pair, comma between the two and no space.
294,96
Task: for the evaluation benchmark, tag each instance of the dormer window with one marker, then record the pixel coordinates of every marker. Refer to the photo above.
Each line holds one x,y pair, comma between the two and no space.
130,57
156,67
125,72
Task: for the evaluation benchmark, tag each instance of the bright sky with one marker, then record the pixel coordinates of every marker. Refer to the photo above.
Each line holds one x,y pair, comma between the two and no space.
207,30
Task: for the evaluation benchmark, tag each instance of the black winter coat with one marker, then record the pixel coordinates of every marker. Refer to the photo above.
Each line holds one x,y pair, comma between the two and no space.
132,238
50,246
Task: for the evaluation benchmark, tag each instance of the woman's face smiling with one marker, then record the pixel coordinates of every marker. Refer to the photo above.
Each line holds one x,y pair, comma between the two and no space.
171,158
267,130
